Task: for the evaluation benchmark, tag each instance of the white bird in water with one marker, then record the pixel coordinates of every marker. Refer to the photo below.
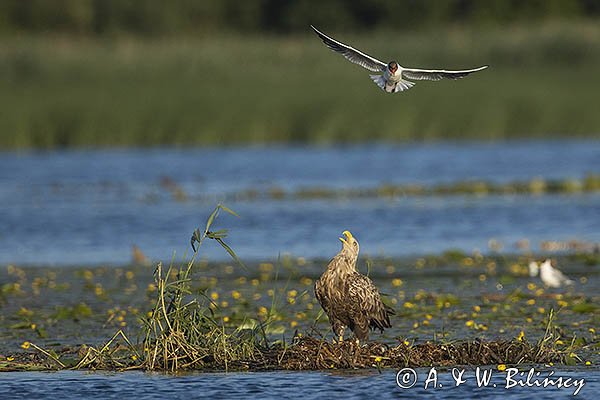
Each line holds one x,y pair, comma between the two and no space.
534,269
553,277
394,78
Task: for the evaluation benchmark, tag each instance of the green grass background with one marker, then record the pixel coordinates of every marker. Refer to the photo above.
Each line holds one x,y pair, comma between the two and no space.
60,91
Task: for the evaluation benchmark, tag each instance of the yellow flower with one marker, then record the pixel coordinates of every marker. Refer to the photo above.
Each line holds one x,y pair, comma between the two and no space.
530,302
33,326
24,312
129,275
562,303
294,324
25,345
134,357
265,267
588,363
224,304
541,310
292,293
225,319
502,367
428,316
406,343
236,295
10,358
521,336
531,286
214,296
476,308
470,323
408,304
378,359
397,282
592,331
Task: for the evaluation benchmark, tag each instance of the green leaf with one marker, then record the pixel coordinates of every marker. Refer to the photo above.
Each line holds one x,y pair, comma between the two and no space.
229,210
212,217
231,253
220,234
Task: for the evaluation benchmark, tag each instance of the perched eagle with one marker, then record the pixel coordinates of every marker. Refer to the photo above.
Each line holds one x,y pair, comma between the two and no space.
349,298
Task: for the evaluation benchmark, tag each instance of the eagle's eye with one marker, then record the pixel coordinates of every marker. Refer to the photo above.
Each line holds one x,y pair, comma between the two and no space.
355,244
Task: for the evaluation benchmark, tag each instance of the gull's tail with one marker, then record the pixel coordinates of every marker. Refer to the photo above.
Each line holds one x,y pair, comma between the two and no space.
391,87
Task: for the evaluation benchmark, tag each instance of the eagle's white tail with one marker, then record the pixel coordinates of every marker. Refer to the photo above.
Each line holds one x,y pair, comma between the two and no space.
391,88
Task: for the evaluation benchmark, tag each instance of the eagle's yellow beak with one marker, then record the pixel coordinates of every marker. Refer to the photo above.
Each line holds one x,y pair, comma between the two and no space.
348,236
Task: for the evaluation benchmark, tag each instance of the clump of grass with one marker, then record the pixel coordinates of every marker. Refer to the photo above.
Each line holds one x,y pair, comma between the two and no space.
112,355
182,331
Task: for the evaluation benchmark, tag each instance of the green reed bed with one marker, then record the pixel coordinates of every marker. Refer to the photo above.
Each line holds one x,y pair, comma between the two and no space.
64,92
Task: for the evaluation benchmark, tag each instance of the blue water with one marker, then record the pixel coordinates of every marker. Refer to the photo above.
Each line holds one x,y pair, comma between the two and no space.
279,385
90,207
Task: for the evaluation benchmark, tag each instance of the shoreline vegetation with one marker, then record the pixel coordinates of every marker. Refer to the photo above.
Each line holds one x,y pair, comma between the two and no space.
236,317
227,89
536,186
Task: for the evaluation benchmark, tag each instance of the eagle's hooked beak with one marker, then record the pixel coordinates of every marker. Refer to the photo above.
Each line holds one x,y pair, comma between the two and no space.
348,236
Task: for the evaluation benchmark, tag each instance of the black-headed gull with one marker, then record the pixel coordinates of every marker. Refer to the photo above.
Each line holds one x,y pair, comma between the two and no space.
553,277
395,77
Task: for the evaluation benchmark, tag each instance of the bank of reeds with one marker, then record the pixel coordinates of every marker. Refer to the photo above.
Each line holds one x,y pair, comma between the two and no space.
68,92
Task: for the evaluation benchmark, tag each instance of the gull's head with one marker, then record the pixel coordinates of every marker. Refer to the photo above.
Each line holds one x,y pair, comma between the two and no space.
349,244
393,67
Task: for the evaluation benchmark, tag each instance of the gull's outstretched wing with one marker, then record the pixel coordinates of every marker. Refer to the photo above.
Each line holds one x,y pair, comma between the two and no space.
436,74
351,54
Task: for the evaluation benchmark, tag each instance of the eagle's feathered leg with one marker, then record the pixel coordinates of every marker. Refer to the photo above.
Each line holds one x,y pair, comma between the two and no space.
361,329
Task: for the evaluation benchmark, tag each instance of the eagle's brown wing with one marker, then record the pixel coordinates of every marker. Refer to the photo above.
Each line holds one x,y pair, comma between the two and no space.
365,304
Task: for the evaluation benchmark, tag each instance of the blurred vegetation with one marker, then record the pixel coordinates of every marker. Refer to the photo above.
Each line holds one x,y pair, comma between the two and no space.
155,17
144,73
